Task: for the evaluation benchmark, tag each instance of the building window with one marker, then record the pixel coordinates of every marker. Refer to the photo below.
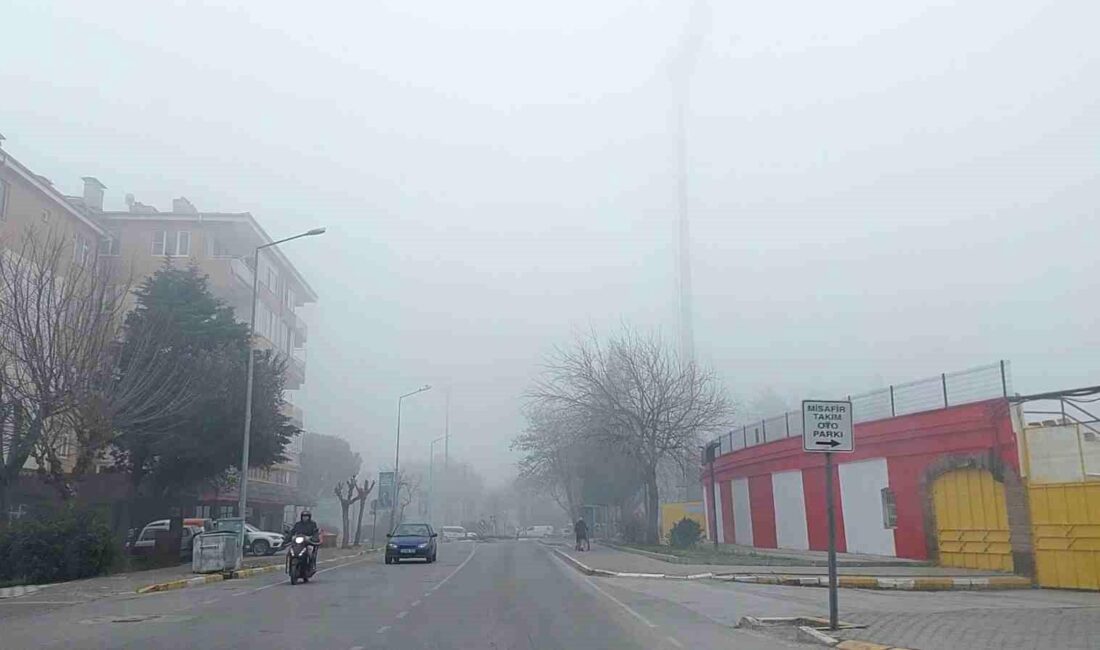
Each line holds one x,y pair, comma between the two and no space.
172,243
889,509
217,248
45,216
81,250
109,246
3,199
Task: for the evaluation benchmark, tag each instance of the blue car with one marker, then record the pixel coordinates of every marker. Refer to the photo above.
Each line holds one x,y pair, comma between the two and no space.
411,541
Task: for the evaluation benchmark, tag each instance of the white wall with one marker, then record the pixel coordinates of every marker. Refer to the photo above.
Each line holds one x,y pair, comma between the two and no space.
706,509
790,510
1061,454
861,485
718,512
742,512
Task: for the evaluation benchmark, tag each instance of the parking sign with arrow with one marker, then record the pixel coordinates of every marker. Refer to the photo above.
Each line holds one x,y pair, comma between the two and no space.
827,426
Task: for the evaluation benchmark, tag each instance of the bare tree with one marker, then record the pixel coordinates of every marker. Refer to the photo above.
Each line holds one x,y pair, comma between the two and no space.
551,448
345,492
635,394
59,318
361,494
409,490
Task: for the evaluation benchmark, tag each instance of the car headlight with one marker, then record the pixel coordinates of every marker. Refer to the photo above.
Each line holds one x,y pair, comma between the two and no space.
424,545
391,545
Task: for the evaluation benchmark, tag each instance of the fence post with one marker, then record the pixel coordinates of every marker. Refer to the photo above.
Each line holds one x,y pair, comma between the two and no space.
787,422
745,435
764,428
730,434
943,380
893,413
1004,380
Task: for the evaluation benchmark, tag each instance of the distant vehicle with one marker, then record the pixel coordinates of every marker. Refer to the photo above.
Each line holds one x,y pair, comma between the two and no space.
409,541
471,535
450,533
301,558
566,531
537,531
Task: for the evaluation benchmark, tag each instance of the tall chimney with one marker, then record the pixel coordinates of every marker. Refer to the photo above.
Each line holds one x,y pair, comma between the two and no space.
93,193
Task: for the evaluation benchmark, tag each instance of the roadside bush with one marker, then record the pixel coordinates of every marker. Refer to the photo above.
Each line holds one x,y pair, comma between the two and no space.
686,533
67,546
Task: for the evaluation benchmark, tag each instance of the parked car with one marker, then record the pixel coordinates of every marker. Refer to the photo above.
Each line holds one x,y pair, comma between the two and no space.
537,531
411,541
145,542
471,535
451,533
262,542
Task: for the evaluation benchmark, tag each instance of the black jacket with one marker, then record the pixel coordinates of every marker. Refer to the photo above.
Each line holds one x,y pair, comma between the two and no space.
307,528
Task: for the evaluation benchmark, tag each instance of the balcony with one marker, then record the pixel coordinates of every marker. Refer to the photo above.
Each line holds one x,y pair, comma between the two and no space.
241,271
295,369
295,322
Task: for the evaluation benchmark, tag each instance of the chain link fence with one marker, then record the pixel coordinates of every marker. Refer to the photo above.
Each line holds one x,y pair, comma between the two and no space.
947,389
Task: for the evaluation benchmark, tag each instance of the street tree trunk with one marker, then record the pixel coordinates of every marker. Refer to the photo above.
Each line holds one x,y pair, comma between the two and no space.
362,493
652,505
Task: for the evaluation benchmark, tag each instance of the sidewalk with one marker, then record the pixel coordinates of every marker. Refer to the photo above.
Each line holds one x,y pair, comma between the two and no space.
728,554
611,559
130,583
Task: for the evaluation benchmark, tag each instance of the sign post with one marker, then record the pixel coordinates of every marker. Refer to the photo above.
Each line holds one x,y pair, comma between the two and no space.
827,427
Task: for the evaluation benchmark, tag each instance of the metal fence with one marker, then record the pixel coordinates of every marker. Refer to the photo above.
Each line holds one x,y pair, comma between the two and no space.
947,389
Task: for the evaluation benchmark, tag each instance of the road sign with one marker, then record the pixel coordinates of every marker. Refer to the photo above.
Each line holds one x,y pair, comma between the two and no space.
827,426
385,490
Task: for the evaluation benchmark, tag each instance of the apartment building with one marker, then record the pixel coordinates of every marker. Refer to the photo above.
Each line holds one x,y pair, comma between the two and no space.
222,246
30,201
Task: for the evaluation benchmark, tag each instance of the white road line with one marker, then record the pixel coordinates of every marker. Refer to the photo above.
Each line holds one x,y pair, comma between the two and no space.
613,599
402,614
619,603
287,582
415,603
473,551
670,640
16,601
357,647
382,630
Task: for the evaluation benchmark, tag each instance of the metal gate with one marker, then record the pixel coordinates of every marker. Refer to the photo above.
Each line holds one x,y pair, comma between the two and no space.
972,520
1065,524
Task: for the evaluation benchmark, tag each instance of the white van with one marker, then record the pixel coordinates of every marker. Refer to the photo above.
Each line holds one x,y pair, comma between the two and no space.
538,531
451,533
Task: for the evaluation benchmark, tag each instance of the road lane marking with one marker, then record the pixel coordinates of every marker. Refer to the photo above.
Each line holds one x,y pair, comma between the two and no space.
415,603
382,630
473,551
287,582
357,647
613,599
402,614
670,640
620,603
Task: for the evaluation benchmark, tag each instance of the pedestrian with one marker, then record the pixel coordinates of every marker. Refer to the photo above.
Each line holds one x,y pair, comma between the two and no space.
581,529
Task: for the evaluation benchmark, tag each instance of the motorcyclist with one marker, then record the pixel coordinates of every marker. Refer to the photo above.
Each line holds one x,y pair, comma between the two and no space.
307,527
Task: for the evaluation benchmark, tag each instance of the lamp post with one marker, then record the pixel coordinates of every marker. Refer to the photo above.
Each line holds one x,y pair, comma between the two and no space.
243,490
431,479
397,455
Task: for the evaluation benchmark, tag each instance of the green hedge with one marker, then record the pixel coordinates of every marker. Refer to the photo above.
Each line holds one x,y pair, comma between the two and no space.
66,546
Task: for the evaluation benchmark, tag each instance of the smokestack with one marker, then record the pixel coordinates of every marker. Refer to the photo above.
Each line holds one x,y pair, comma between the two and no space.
93,193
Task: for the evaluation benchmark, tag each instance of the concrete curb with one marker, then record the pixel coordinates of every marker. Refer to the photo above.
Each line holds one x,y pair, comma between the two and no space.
778,557
896,584
18,590
851,582
234,575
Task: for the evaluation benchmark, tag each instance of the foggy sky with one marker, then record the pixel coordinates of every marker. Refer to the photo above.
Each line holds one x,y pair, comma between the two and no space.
877,192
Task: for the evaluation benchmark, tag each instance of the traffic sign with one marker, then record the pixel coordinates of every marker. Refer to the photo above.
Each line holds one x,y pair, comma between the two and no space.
827,426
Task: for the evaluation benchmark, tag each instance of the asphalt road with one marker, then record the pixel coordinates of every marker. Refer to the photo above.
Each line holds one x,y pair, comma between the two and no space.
508,594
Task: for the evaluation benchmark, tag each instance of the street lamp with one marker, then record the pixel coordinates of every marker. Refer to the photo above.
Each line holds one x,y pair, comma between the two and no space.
397,454
243,501
431,478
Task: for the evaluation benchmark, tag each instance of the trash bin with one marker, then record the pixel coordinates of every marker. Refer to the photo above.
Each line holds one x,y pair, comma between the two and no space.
215,552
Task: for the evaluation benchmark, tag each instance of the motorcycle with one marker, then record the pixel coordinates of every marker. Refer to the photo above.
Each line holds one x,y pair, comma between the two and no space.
300,564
